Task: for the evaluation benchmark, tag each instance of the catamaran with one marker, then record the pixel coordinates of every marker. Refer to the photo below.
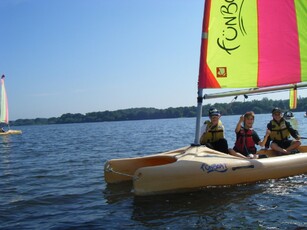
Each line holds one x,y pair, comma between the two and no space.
4,113
257,45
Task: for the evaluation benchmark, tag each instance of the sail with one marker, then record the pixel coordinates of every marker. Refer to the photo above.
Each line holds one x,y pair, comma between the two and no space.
4,114
253,43
293,98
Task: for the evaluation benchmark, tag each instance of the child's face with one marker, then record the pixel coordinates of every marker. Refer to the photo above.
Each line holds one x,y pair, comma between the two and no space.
249,121
214,118
277,116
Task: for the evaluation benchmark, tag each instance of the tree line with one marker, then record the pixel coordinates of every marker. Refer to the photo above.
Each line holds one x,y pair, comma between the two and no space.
234,108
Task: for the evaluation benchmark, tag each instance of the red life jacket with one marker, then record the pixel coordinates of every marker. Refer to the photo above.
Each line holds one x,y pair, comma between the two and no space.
245,143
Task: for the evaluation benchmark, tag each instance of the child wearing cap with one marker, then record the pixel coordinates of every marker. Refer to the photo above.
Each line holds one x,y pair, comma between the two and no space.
280,133
212,134
247,138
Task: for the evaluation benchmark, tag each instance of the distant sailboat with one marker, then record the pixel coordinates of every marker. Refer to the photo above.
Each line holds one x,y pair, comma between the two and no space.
4,113
288,115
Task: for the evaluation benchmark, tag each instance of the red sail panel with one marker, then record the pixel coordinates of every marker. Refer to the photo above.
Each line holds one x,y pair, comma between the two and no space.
206,78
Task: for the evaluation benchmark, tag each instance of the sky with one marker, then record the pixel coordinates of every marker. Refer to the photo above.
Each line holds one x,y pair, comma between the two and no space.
80,56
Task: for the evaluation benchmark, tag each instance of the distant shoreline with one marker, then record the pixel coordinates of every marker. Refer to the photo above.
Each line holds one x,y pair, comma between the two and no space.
258,106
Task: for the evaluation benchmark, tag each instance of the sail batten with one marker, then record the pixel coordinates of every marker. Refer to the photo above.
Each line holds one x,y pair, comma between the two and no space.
254,43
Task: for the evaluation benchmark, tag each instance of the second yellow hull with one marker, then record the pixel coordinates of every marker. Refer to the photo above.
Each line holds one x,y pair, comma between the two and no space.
10,132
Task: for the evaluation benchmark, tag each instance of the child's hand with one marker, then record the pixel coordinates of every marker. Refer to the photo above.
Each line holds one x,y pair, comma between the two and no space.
241,119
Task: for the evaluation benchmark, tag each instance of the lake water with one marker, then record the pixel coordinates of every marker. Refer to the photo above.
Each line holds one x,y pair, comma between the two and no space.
51,177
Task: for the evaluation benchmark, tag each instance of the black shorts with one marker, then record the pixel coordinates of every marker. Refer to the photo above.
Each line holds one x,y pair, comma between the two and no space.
245,153
283,144
220,145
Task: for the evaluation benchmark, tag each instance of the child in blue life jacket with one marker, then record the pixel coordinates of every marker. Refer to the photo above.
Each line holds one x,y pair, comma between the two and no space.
247,138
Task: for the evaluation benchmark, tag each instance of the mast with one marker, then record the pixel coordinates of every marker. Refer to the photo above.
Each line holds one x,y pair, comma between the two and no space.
202,67
199,115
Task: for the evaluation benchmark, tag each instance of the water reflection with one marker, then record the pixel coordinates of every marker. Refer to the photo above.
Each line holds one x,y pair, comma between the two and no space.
5,143
216,206
5,147
202,201
114,193
207,206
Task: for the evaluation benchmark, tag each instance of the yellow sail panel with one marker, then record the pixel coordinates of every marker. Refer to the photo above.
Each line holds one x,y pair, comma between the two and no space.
293,99
232,48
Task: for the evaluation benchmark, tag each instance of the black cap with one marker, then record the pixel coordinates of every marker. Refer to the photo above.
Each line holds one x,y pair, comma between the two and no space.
276,110
214,112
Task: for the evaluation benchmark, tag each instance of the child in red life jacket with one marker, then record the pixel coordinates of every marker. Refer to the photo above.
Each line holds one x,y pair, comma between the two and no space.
247,138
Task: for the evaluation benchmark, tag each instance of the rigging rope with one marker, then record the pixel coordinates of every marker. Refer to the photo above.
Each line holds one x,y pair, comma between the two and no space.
232,101
109,169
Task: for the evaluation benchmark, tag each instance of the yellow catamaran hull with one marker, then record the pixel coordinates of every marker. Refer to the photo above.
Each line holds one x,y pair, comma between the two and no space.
10,132
195,167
